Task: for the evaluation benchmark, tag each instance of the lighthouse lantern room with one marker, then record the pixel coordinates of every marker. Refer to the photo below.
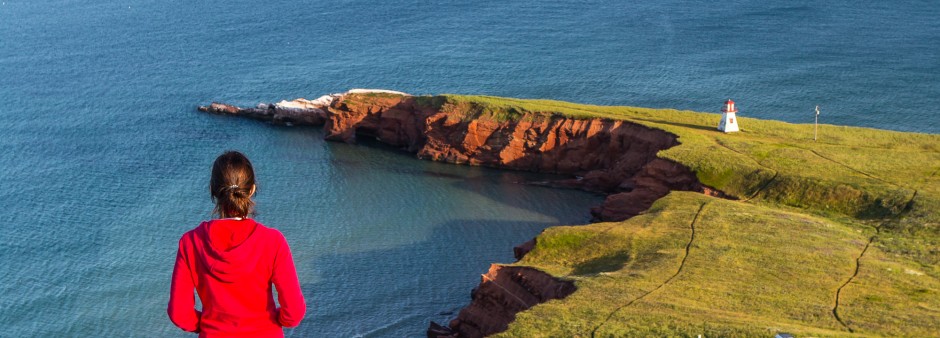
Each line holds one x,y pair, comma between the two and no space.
729,122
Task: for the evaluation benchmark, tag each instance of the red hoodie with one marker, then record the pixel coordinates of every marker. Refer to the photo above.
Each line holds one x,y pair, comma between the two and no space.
232,265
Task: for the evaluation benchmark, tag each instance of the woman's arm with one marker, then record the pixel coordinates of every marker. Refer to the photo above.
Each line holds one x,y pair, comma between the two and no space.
182,306
285,281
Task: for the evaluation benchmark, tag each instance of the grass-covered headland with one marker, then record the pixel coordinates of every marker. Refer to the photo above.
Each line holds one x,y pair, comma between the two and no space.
835,237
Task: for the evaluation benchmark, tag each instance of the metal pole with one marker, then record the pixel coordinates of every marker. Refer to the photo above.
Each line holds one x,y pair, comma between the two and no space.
816,124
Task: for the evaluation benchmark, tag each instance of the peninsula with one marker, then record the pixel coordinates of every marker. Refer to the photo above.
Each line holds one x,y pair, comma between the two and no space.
701,233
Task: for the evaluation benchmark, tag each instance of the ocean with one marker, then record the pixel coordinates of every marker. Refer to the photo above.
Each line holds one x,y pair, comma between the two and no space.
105,161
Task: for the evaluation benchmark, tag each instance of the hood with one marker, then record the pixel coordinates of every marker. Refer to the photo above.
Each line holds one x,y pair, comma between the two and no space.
232,248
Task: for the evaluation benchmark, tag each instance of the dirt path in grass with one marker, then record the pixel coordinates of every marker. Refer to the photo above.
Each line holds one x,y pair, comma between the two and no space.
688,247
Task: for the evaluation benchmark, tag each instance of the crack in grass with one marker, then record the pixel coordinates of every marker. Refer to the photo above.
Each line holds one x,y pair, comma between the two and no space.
858,266
763,186
850,168
688,247
910,203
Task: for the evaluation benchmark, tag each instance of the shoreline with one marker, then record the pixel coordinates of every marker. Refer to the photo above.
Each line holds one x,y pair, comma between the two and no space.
768,173
394,118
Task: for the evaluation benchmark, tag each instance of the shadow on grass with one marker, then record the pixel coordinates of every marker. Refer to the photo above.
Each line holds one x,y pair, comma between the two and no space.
677,124
607,263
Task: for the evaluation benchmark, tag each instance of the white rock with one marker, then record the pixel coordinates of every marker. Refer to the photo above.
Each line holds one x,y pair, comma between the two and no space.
366,91
913,272
324,100
301,103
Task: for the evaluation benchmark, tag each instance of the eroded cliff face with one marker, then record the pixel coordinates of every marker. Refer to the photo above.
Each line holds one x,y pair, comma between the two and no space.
612,157
503,292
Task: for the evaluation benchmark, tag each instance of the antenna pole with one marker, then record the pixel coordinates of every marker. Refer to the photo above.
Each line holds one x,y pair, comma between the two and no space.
816,125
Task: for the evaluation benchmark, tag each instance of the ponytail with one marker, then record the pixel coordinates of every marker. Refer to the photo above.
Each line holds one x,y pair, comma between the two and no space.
232,184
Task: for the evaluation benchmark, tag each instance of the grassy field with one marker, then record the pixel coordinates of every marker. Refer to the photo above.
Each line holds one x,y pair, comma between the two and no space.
748,270
852,218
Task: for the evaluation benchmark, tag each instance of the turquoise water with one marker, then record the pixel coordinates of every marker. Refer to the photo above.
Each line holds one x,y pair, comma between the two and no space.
105,162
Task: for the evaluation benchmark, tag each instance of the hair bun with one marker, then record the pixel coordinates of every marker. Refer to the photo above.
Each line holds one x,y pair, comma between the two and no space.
237,193
231,185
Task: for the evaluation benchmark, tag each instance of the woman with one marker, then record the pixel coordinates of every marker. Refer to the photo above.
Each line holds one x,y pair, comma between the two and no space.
232,263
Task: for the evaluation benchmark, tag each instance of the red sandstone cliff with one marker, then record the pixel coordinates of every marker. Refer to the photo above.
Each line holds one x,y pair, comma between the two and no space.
503,292
613,157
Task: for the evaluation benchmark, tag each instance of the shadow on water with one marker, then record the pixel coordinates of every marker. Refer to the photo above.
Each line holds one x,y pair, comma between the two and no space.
419,283
476,179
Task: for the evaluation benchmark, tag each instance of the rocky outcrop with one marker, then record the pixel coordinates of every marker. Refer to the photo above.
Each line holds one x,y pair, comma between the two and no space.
521,250
503,292
297,112
617,158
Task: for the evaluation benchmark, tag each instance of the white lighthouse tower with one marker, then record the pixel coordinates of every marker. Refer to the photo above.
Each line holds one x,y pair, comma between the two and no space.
729,122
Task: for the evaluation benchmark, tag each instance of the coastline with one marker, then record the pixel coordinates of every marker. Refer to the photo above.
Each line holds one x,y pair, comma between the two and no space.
627,171
635,164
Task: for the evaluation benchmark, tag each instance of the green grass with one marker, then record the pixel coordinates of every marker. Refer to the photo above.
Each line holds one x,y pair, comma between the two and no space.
770,262
751,270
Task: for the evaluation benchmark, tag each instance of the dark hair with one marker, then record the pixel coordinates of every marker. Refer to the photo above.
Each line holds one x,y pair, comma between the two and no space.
231,185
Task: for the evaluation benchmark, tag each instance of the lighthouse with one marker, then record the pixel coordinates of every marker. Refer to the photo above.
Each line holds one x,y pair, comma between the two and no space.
729,122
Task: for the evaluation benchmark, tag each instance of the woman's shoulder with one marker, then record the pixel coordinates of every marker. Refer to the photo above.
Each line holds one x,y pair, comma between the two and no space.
197,230
268,232
190,237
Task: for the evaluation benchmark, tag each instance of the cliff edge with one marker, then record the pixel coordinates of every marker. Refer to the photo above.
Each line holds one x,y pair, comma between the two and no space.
831,237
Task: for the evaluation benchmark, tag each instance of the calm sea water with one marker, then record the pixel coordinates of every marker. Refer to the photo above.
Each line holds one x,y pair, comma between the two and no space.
105,162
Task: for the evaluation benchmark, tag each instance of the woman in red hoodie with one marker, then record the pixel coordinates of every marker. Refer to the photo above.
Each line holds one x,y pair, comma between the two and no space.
232,262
